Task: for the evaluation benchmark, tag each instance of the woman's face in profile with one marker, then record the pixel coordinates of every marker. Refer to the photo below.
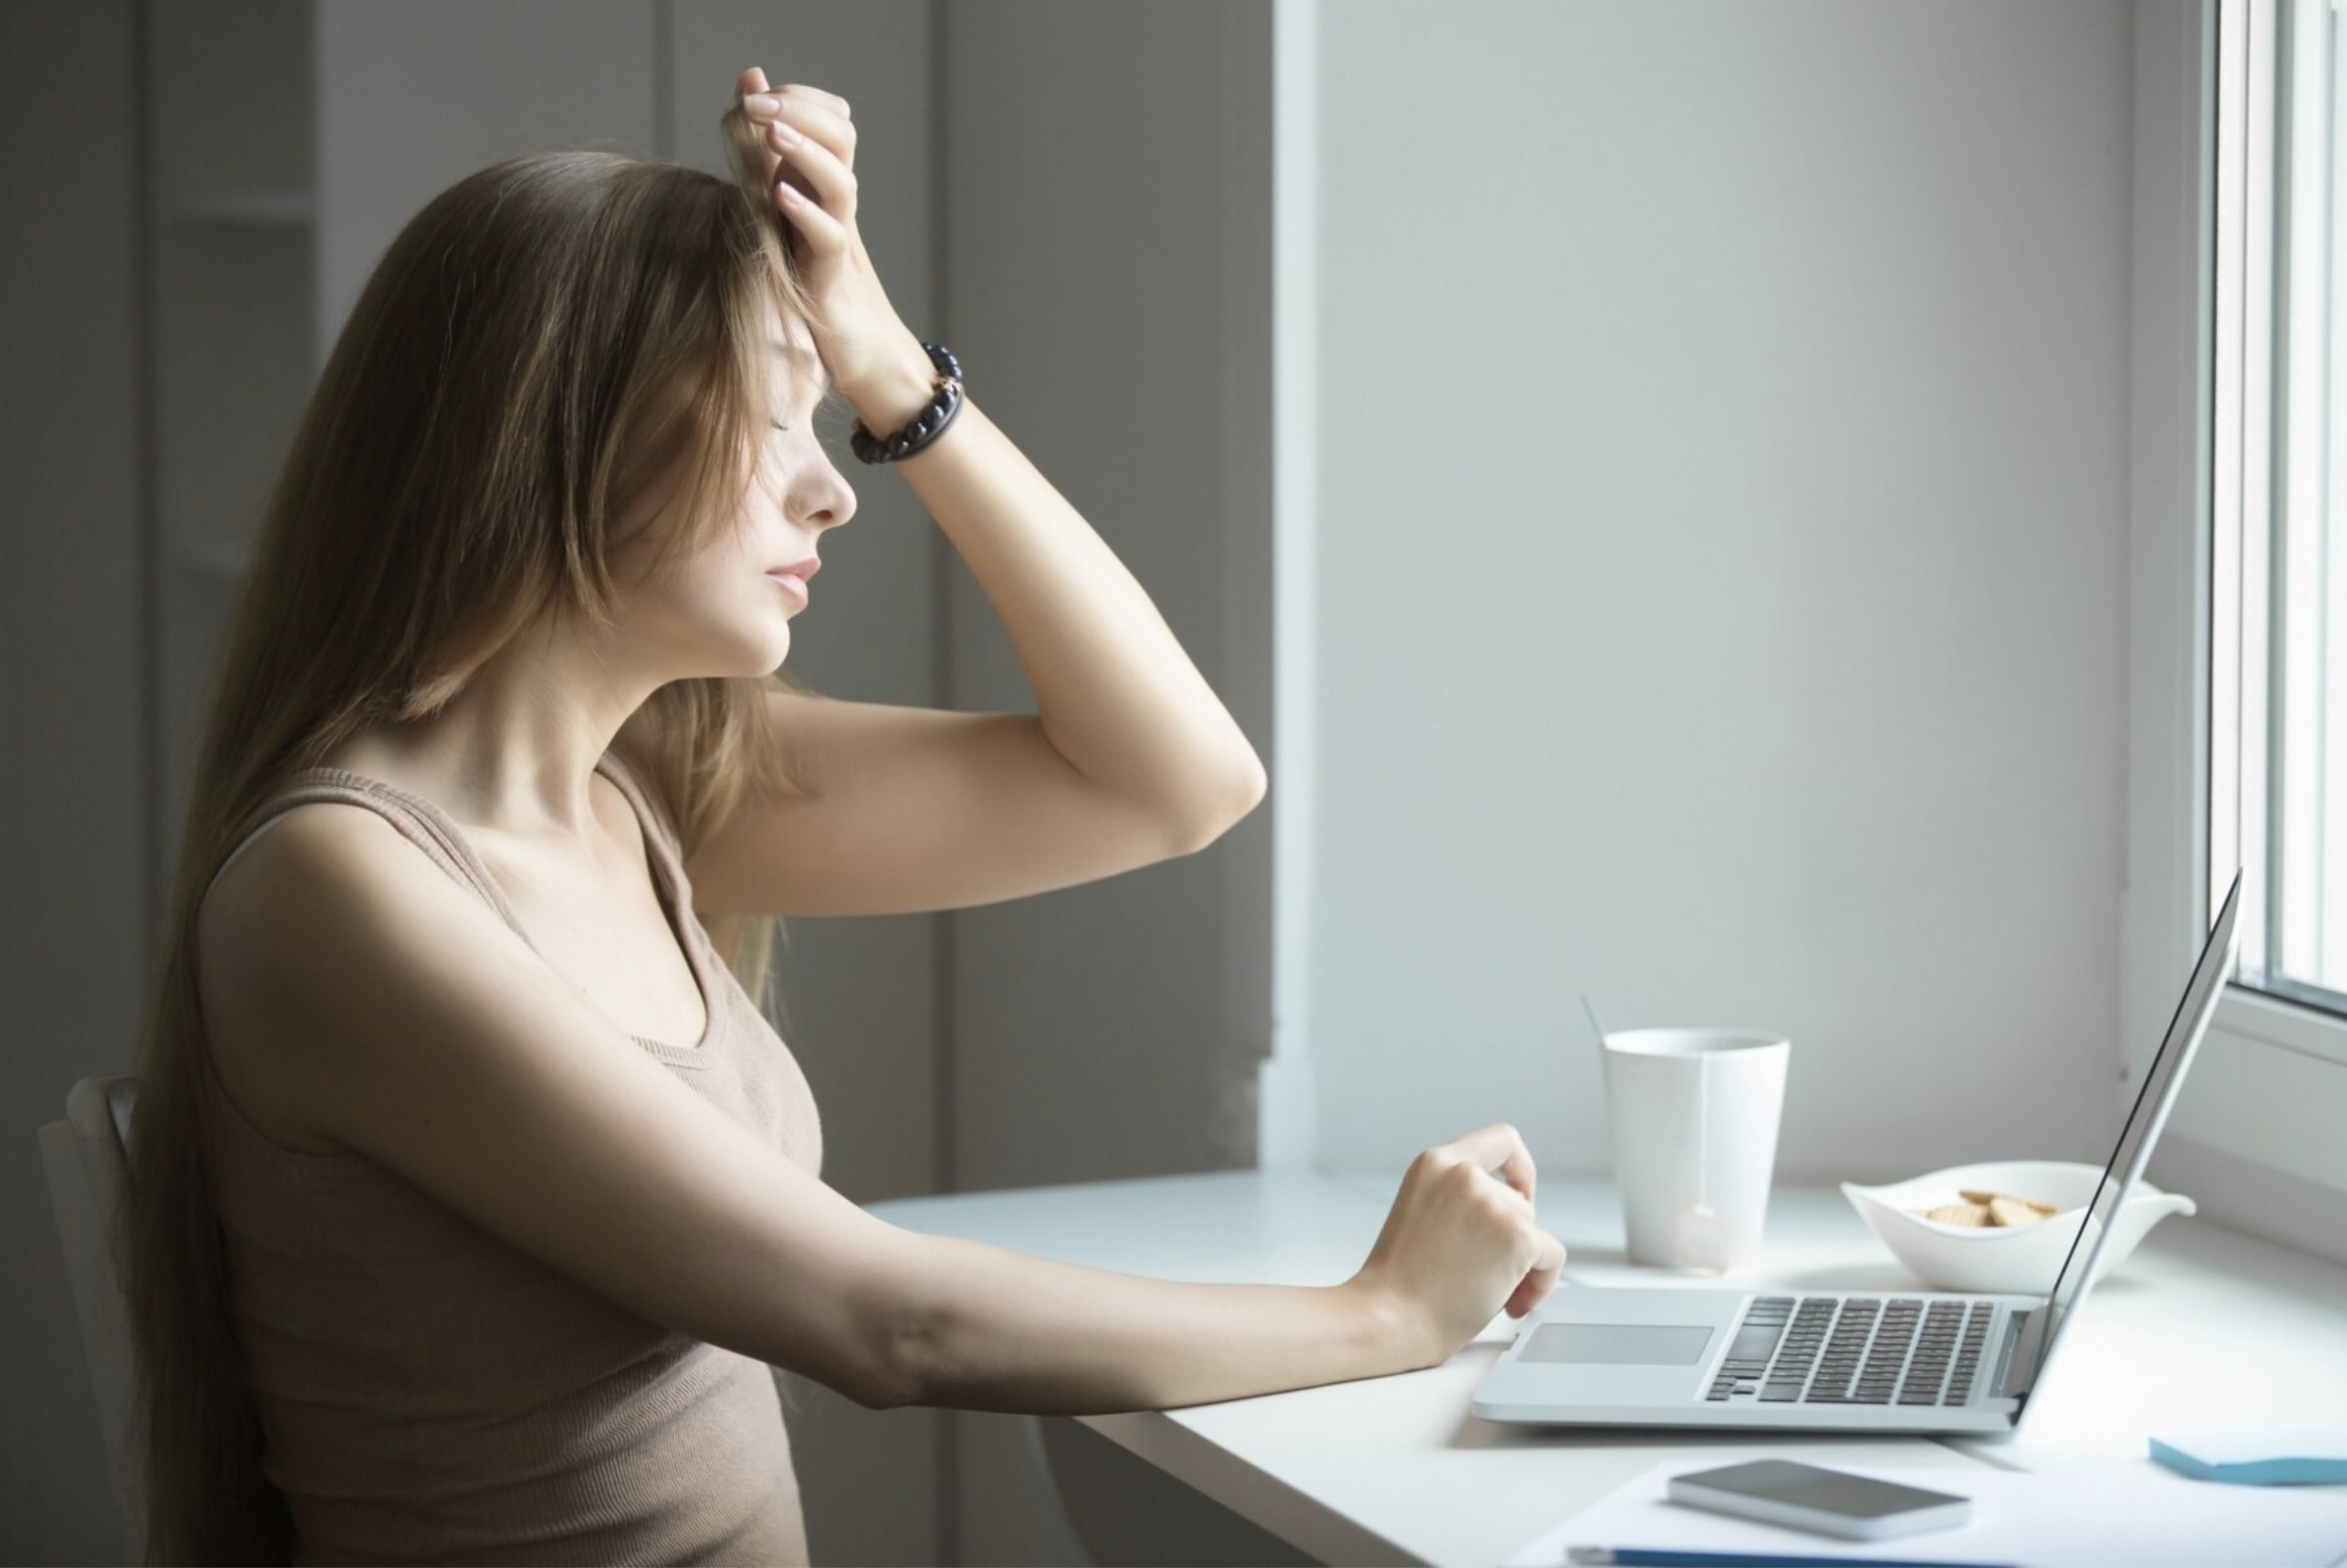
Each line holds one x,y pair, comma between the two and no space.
726,608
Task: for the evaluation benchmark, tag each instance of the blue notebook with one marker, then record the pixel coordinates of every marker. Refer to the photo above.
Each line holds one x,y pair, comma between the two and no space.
2307,1456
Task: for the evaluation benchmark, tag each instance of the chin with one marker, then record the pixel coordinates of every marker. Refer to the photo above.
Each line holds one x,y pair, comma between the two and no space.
777,650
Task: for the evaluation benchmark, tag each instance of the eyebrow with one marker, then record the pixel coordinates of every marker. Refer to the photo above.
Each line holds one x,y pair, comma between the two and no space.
806,357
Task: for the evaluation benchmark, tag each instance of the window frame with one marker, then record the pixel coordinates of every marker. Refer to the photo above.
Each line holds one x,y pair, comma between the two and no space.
2255,1131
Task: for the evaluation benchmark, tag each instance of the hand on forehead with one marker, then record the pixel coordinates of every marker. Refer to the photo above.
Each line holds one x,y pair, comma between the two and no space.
794,95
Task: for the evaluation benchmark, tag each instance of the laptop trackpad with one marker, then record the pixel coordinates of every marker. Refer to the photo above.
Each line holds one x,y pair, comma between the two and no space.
1618,1344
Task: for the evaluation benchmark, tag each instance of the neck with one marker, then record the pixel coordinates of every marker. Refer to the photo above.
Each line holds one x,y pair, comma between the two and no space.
515,750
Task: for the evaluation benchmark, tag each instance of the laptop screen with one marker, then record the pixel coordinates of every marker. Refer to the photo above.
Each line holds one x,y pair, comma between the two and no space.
2161,1082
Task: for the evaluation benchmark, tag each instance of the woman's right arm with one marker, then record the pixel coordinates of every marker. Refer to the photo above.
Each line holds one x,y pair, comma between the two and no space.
394,1014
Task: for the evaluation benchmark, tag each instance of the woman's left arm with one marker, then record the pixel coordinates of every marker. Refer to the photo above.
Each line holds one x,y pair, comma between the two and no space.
1130,756
1116,694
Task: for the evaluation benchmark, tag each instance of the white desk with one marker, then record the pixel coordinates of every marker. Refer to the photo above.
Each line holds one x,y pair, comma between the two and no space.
1396,1470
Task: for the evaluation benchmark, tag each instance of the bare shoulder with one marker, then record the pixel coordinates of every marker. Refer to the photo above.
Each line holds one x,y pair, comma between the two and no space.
323,868
363,999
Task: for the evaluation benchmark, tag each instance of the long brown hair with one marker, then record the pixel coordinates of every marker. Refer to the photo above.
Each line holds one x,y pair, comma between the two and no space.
539,344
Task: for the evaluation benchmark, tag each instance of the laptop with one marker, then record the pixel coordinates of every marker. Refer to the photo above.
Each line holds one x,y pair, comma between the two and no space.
1830,1360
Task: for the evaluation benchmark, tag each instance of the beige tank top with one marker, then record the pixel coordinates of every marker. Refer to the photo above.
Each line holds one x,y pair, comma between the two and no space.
428,1393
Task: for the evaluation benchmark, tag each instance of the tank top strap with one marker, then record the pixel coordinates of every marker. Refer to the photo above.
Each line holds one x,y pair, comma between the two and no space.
660,833
417,819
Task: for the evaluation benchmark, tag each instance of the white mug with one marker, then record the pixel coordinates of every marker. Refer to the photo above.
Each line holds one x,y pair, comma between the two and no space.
1696,1113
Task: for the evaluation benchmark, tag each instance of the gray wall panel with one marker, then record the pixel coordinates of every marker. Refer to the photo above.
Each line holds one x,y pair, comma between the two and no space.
75,875
1089,288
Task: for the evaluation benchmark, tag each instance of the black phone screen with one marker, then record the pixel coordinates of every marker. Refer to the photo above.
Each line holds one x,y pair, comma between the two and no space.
1809,1486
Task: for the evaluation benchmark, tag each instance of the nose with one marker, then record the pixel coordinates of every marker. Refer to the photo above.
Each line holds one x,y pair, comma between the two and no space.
828,501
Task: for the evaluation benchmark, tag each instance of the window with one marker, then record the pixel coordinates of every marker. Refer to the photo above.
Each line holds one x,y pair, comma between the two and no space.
2278,647
2267,685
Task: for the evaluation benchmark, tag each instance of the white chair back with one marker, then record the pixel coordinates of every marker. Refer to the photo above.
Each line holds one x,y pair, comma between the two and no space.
84,1157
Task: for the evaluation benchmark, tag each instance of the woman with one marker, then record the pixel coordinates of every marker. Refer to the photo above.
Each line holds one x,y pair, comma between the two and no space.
471,1190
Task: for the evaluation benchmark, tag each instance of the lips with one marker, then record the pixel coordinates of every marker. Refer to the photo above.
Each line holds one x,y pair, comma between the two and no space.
794,577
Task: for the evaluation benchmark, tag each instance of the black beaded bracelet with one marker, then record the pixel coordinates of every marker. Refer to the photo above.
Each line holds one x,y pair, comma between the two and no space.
926,426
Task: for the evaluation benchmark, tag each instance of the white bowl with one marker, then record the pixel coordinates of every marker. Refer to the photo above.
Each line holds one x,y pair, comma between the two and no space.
2020,1262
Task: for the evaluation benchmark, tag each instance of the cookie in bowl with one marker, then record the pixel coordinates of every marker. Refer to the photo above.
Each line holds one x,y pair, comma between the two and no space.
2003,1227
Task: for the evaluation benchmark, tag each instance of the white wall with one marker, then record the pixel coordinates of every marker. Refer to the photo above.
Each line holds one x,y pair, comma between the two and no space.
1722,420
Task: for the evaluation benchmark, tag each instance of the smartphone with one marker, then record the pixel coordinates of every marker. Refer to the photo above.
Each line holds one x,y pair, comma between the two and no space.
1812,1498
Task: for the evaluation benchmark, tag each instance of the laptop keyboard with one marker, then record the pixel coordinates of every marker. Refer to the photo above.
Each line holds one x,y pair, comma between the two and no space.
1854,1350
